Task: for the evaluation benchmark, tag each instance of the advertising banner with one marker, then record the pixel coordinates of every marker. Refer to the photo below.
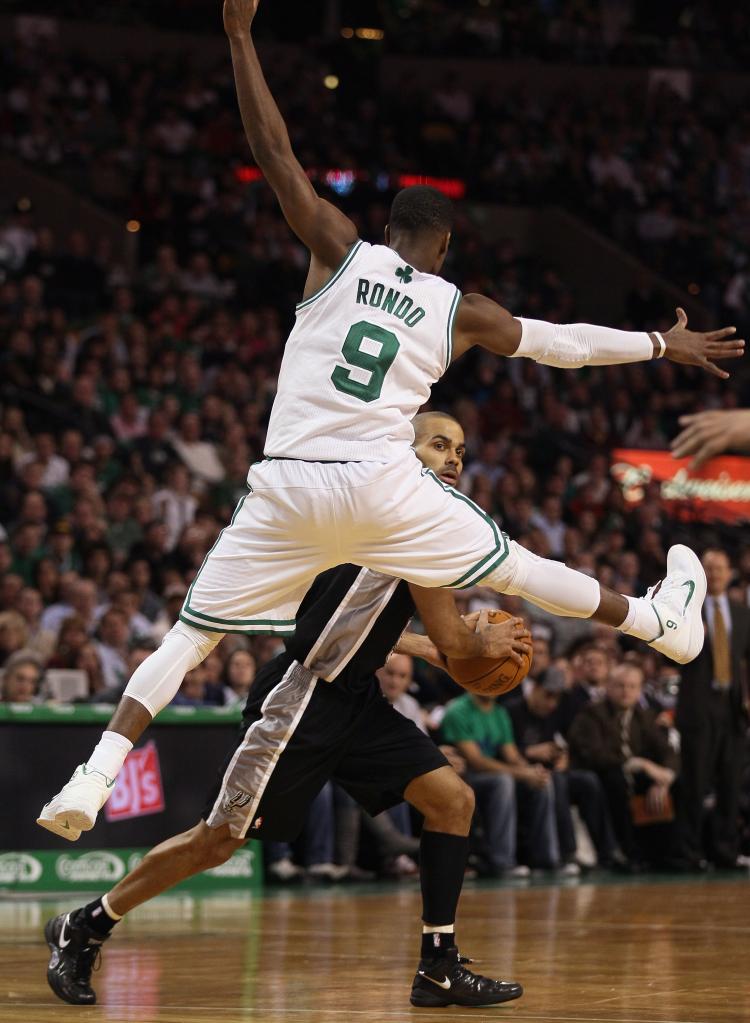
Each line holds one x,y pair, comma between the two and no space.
98,869
717,492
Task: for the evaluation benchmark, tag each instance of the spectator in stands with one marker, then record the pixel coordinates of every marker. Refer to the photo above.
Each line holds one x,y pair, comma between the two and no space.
396,678
536,735
192,692
712,719
71,639
174,505
78,597
14,634
112,648
21,679
237,677
591,665
505,784
619,739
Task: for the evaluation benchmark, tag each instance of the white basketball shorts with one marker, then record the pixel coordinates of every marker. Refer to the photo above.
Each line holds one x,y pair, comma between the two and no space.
300,518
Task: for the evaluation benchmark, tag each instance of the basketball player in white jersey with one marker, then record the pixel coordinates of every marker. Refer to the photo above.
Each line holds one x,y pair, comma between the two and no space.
340,482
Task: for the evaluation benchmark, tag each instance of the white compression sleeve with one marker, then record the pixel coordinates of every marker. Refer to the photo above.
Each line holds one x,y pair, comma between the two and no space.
571,345
155,682
548,584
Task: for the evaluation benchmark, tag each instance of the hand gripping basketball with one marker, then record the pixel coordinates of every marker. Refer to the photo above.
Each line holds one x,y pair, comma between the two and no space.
493,676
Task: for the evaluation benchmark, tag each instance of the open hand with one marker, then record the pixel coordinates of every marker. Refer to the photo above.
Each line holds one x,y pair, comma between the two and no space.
238,16
510,638
707,434
697,349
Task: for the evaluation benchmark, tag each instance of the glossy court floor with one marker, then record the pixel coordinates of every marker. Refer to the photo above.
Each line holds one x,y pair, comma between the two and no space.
630,952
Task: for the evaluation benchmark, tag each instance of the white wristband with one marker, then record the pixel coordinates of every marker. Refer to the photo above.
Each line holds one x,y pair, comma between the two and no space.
662,344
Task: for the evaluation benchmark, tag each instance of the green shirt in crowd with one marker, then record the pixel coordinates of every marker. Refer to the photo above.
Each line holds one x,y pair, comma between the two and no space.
465,721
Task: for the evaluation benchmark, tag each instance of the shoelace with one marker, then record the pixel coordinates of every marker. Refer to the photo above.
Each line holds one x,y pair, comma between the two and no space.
89,958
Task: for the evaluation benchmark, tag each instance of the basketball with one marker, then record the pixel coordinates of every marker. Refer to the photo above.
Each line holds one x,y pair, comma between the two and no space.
485,676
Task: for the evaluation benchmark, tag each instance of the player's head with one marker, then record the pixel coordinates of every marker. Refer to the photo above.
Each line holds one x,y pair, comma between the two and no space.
439,445
422,218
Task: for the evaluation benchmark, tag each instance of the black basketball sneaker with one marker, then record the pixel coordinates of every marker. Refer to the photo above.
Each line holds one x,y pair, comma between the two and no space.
446,981
76,951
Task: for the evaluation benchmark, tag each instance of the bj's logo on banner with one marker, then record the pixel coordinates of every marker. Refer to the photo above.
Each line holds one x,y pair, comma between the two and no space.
138,790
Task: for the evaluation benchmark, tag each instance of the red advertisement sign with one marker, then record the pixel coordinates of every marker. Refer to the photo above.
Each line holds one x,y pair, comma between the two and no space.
138,790
718,491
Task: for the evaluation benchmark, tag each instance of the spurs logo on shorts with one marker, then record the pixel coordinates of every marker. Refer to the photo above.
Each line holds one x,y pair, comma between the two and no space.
240,798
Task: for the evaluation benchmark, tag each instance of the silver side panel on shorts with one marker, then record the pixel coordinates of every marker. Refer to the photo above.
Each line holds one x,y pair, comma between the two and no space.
350,626
252,765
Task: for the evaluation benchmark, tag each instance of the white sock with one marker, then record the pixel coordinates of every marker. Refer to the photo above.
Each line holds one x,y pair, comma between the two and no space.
641,620
109,754
442,929
108,909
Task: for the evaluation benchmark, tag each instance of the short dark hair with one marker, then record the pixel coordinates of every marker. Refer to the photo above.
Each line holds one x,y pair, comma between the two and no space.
421,421
421,208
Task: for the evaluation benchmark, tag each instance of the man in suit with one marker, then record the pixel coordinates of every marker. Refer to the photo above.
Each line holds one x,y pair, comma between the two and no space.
591,664
619,739
712,719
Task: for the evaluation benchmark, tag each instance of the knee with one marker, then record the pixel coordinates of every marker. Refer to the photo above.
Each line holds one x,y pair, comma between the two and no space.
462,802
210,847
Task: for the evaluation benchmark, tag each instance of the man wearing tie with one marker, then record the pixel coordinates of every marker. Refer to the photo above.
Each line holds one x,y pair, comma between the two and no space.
712,720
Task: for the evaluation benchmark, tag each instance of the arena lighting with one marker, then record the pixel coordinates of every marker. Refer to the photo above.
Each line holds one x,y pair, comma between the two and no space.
347,33
343,181
248,174
331,81
454,188
133,226
369,33
340,181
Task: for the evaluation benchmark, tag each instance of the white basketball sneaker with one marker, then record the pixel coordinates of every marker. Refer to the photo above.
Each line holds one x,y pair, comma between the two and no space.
75,807
678,601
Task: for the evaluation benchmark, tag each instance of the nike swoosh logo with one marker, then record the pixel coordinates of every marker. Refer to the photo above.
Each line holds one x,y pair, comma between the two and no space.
445,984
62,941
691,584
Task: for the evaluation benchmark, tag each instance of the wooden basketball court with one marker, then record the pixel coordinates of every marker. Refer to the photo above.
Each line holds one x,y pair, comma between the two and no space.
645,952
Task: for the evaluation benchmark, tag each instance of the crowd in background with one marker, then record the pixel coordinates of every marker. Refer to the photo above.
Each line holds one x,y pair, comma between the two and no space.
132,403
682,33
665,173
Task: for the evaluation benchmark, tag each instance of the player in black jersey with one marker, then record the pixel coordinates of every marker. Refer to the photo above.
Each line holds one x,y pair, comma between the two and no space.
316,713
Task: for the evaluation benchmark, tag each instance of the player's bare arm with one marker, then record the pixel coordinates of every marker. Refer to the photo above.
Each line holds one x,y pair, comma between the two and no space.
707,434
416,645
480,321
325,230
454,638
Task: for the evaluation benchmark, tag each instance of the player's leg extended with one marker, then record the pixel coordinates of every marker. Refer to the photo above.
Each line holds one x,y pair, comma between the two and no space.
668,617
418,510
75,938
153,685
447,805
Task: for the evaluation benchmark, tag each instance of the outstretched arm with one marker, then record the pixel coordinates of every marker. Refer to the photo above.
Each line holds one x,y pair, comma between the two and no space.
707,434
480,321
325,230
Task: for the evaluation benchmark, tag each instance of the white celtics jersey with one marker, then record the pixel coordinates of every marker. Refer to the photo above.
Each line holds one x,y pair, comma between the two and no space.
361,360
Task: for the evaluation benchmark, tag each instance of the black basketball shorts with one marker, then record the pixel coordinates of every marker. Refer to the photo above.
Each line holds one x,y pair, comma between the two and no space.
300,732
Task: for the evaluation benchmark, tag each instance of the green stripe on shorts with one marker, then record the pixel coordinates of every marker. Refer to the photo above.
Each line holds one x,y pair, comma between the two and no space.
490,561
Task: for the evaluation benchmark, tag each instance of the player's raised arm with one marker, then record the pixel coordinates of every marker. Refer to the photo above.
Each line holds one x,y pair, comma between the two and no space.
480,321
325,230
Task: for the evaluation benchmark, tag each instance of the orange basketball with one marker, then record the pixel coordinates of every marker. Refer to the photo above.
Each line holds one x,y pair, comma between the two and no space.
485,676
